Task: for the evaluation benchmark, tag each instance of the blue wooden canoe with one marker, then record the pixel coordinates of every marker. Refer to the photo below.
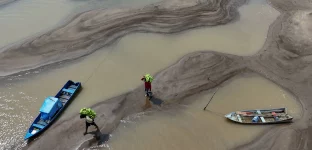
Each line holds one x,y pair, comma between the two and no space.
52,107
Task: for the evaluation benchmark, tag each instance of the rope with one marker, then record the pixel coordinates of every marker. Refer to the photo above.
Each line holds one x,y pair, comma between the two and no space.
97,67
213,112
217,113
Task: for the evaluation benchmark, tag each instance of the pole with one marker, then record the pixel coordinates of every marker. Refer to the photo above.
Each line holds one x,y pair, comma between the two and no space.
213,93
211,98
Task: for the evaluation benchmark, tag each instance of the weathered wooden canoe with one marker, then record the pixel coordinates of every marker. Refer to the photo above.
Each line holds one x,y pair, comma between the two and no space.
260,116
52,108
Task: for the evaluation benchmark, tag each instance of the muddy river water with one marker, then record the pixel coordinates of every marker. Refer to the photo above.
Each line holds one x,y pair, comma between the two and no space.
117,69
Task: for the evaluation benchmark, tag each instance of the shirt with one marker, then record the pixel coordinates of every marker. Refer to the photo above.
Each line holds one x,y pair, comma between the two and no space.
89,120
148,85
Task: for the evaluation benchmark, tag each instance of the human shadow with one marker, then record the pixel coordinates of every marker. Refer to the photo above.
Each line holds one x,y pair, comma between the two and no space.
156,101
99,137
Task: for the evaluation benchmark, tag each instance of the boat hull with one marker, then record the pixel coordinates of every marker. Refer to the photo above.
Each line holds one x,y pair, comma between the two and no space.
38,126
260,116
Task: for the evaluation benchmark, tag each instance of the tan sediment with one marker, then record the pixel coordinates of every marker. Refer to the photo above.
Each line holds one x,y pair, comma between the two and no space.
284,60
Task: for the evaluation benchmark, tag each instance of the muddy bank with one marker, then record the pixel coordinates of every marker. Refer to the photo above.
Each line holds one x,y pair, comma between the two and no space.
94,29
285,60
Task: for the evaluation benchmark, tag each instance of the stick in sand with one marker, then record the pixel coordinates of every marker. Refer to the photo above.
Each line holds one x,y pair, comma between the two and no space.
211,98
213,93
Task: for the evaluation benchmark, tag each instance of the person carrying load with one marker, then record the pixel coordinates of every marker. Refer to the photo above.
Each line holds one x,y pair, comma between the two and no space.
148,84
90,115
147,78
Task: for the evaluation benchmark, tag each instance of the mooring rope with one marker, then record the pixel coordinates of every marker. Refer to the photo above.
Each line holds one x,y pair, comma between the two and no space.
97,67
217,113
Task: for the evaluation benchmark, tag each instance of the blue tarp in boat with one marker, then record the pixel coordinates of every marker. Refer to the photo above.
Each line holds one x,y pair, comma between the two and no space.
50,107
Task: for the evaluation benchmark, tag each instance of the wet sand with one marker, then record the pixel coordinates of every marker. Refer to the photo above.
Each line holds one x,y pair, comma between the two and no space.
284,60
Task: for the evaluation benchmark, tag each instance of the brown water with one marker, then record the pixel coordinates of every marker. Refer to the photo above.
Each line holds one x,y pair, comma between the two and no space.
20,19
186,126
117,69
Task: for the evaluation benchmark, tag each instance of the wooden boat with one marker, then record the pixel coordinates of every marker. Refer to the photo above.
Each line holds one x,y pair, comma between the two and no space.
260,116
52,107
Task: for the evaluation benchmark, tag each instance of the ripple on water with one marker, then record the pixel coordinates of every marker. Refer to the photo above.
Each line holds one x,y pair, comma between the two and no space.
14,117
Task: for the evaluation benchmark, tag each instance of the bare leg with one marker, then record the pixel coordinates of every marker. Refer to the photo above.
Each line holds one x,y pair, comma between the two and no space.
97,127
86,130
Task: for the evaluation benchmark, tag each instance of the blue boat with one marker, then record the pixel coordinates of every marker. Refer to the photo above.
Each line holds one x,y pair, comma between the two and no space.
52,107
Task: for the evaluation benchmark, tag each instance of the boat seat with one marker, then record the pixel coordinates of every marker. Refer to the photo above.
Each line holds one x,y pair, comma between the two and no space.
38,126
239,118
73,86
71,89
262,119
68,91
41,122
64,97
63,100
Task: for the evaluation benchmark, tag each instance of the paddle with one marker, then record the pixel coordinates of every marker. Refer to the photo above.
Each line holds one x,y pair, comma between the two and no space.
211,98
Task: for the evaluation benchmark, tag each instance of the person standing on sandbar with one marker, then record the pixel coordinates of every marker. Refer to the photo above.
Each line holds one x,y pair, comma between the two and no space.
147,78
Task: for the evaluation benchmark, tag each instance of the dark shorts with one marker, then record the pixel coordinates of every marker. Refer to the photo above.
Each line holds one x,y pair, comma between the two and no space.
89,124
148,92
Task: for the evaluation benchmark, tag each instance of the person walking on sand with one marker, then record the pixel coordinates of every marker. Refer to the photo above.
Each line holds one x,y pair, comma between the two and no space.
147,78
89,114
